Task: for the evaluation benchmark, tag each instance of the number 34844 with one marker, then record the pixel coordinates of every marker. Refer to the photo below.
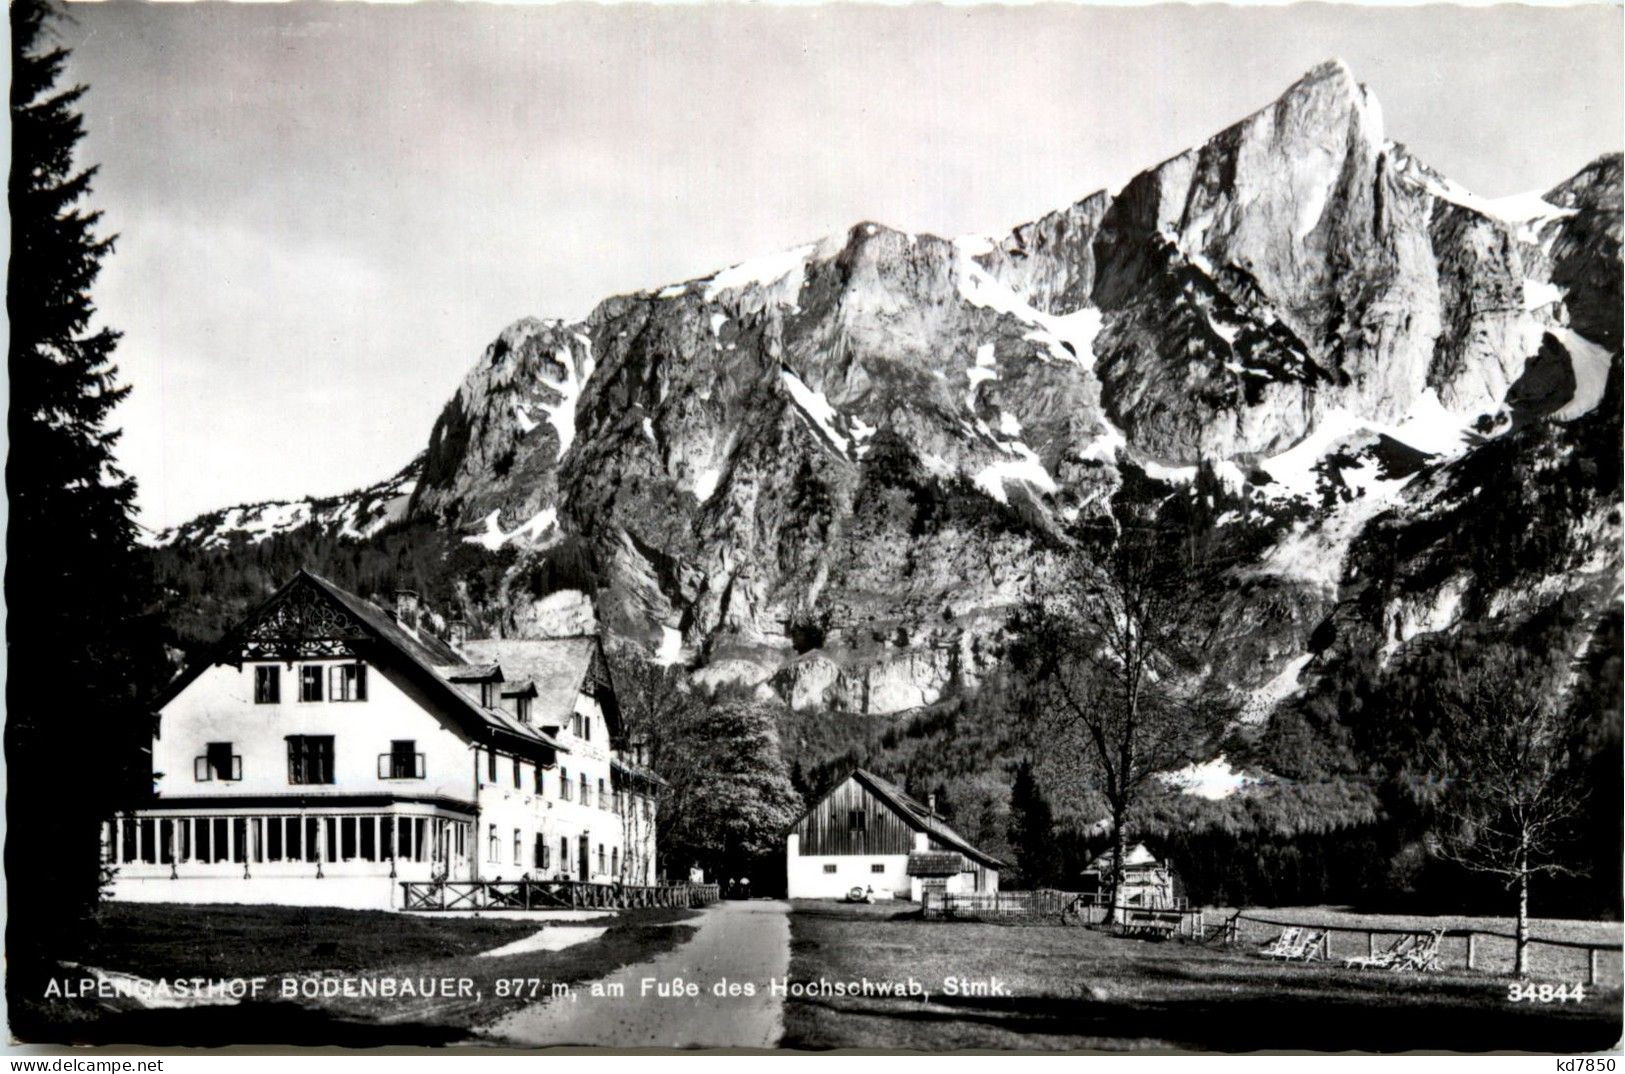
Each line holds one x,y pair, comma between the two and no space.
1518,992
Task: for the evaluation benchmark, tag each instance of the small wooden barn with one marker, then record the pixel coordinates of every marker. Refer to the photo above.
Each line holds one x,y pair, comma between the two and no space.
865,832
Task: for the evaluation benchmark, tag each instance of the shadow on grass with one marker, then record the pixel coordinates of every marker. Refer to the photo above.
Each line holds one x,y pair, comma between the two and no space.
1251,1023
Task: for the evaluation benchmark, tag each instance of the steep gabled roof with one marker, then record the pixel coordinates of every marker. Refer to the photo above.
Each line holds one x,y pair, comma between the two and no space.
911,811
920,817
419,655
560,668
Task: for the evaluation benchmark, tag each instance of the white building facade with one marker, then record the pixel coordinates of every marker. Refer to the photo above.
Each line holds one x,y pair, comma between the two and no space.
328,750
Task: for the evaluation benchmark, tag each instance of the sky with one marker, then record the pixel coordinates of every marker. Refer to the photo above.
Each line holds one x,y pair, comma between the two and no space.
327,210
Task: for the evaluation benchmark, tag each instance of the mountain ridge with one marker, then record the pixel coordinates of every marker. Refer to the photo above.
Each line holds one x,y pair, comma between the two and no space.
831,472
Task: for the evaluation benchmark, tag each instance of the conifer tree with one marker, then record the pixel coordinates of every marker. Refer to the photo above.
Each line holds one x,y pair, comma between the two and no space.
1031,829
82,646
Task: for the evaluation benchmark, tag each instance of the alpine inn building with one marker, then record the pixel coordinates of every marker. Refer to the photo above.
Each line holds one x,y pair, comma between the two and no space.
326,750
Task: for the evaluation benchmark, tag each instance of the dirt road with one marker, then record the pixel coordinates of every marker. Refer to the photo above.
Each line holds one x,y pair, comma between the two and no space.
739,944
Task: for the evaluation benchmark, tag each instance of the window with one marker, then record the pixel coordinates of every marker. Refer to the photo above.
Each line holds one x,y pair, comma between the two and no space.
603,799
600,857
493,845
521,708
347,838
310,758
518,847
485,694
517,780
310,683
217,762
538,778
615,861
877,867
541,851
386,838
575,723
564,783
267,684
369,842
586,728
403,761
856,820
830,867
347,682
491,767
273,839
586,790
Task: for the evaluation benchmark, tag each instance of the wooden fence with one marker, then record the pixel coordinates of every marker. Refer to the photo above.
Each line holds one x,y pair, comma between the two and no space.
1483,950
550,895
1041,906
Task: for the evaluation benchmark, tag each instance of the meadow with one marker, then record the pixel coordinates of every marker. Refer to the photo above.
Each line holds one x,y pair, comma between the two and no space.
1077,988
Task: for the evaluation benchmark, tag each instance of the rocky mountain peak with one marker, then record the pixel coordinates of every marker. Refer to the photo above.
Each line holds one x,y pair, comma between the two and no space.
831,471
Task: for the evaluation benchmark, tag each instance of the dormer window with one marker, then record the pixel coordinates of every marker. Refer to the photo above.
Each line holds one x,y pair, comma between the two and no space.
487,693
521,709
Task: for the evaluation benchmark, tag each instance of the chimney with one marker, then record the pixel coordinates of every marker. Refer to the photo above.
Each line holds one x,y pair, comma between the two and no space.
457,632
406,606
931,802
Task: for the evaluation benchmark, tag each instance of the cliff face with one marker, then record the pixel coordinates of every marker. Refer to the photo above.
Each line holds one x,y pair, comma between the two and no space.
833,471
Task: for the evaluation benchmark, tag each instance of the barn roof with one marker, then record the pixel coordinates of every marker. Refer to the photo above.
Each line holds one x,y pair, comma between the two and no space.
914,813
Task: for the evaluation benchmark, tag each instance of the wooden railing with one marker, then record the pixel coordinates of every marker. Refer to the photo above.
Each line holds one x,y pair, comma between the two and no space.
550,895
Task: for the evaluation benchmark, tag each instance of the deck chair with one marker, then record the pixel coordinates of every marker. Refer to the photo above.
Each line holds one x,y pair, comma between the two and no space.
1384,959
1424,957
1278,947
1313,946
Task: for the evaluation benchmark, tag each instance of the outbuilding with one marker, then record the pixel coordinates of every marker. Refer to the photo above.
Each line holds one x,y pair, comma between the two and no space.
866,832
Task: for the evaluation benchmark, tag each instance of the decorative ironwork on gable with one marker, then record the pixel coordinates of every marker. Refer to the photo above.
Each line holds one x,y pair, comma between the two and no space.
303,625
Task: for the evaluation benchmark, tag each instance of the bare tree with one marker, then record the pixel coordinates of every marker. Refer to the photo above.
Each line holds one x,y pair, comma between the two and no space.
1507,745
1111,653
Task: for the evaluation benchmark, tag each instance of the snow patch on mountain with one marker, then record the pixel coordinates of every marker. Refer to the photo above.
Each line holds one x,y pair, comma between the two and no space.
530,532
705,484
562,415
1537,294
1025,466
787,267
1214,780
1590,362
815,408
1068,337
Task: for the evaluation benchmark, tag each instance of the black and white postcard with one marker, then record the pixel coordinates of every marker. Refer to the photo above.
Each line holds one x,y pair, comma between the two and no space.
812,527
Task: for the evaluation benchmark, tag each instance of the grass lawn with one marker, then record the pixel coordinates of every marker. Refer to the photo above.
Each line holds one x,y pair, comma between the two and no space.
155,941
1077,988
175,942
